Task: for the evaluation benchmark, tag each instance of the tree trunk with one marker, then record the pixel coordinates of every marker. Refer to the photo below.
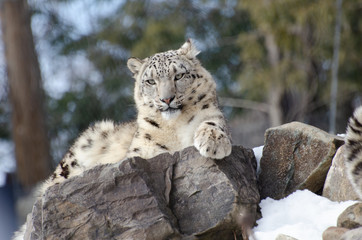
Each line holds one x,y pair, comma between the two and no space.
26,94
334,83
275,91
275,108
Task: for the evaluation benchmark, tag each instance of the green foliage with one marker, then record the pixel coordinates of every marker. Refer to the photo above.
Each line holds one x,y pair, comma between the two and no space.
302,34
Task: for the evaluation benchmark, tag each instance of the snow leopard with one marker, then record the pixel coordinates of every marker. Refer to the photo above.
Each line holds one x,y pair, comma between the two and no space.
353,153
177,107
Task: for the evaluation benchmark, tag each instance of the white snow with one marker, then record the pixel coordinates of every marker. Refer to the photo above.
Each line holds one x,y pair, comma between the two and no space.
258,152
302,215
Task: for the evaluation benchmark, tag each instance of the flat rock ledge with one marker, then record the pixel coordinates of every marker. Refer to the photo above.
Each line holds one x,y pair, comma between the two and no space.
180,196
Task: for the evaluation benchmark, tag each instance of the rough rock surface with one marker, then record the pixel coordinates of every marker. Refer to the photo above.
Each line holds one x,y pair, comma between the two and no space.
107,202
337,186
295,156
183,196
351,217
354,234
334,233
211,198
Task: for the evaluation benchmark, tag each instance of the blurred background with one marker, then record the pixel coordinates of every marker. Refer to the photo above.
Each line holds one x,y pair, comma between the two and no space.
63,67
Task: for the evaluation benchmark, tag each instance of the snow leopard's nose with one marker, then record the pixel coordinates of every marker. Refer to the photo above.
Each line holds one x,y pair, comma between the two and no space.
168,100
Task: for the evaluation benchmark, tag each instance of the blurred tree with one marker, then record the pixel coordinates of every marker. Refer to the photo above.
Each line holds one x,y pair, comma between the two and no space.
284,53
350,65
4,118
138,28
274,52
26,94
335,65
287,55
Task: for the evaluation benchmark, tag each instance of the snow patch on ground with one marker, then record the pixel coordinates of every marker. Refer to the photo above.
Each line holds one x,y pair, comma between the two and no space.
302,215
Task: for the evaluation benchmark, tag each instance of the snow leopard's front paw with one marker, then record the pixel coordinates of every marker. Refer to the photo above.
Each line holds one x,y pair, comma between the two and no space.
212,141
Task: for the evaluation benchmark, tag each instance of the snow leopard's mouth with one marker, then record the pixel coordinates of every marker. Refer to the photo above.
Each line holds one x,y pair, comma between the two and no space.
171,112
172,108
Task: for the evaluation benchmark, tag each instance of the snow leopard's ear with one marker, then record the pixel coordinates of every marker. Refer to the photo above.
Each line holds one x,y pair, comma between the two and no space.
188,49
134,64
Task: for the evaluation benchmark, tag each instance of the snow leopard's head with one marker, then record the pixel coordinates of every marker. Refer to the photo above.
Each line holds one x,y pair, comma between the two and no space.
163,80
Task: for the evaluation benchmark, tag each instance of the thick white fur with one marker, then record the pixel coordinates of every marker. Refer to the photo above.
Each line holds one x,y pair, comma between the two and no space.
354,150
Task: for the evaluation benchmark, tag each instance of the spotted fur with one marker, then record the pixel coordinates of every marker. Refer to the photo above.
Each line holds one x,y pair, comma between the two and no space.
354,150
177,107
177,76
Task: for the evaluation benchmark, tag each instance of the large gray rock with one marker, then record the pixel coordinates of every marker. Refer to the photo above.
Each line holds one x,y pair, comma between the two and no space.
295,156
337,186
213,199
184,196
107,202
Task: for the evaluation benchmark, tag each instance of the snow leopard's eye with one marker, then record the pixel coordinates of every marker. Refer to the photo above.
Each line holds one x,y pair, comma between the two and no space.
179,76
150,81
